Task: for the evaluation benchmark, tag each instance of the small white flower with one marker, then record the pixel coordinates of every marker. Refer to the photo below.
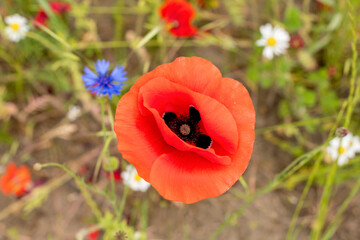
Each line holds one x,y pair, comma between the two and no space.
275,40
73,112
133,180
355,144
16,27
137,235
341,149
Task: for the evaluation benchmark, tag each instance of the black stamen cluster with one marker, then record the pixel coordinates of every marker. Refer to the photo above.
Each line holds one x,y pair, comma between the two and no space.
195,137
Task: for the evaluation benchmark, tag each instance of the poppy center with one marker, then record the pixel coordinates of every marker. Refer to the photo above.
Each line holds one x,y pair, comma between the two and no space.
271,41
187,129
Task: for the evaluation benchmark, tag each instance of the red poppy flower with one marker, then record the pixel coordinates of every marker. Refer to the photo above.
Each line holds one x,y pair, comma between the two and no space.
296,41
15,180
188,131
179,13
41,17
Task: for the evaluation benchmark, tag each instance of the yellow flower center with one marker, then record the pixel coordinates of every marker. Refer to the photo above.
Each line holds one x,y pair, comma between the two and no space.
341,150
137,178
271,41
15,26
351,143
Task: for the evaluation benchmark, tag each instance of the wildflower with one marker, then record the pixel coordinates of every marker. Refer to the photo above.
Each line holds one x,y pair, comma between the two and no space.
116,174
41,17
184,131
275,40
133,180
355,143
16,180
103,83
16,27
341,132
332,71
121,235
94,235
179,14
343,149
296,41
73,113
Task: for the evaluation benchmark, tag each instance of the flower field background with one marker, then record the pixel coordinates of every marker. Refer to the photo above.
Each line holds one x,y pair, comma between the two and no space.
64,66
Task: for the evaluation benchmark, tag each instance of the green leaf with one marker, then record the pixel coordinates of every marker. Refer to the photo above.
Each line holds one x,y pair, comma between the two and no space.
306,97
292,19
329,102
284,109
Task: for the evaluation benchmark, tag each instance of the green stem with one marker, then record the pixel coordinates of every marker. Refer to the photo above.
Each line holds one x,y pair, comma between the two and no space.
123,201
352,93
107,140
312,177
295,165
82,187
336,219
324,202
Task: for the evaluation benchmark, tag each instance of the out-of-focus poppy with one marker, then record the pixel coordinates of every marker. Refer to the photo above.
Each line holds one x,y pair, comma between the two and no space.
94,235
332,71
323,6
41,17
188,131
116,174
179,14
296,41
16,180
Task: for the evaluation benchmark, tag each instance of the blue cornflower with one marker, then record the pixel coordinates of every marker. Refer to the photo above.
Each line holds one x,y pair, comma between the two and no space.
103,83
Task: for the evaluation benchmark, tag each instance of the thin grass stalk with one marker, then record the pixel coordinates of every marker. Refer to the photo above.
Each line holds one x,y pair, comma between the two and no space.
311,178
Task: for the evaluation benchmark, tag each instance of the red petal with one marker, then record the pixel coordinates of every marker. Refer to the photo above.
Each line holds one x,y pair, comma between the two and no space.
186,177
180,13
60,7
195,73
40,18
139,139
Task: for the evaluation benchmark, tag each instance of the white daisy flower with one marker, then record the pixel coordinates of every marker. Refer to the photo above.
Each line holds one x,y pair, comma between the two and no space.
341,149
73,112
275,40
355,144
132,179
137,235
16,27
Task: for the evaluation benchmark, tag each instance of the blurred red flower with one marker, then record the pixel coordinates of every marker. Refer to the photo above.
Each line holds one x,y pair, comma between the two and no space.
179,14
188,131
57,7
15,180
323,6
94,235
116,174
296,41
332,71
